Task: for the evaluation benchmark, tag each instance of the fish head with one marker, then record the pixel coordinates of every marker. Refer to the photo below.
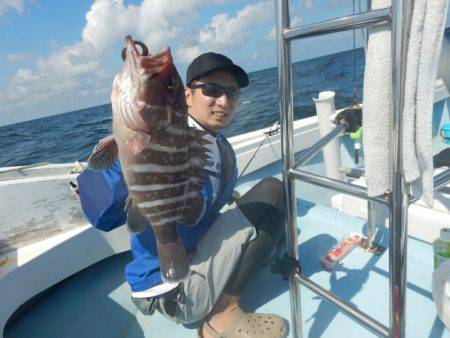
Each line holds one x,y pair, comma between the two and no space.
148,91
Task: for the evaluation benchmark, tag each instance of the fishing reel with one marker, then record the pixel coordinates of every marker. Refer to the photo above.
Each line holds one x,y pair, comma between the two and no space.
351,118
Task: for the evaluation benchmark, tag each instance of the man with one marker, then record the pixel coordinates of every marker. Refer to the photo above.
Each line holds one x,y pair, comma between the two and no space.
224,249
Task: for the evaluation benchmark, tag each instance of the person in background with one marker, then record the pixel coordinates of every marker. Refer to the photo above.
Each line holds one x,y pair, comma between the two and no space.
227,245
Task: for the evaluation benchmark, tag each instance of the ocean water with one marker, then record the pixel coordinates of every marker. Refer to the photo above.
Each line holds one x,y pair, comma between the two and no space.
71,136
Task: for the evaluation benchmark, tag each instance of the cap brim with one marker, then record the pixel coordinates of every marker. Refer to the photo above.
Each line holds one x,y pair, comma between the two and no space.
240,74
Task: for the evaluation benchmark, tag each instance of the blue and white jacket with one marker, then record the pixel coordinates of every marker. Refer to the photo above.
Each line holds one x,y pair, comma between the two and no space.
103,194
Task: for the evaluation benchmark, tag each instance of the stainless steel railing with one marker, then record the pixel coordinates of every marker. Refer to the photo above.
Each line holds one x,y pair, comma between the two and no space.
399,15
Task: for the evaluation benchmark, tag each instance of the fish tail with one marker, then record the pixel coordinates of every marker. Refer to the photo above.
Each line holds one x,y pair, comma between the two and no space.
171,254
173,261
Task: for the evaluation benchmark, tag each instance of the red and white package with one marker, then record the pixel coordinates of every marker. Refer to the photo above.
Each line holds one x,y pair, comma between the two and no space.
338,252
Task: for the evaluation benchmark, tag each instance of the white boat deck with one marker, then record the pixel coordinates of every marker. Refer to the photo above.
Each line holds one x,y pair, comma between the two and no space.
96,301
37,203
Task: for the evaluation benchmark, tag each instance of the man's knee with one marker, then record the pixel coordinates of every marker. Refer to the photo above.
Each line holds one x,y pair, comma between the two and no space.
273,186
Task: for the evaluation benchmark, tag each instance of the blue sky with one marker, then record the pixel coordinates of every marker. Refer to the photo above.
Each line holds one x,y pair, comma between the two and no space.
60,56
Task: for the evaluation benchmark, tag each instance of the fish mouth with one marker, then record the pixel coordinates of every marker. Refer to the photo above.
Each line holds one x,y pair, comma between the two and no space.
143,63
149,75
131,44
132,56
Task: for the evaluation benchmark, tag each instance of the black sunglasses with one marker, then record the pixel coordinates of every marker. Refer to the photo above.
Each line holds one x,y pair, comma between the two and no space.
215,90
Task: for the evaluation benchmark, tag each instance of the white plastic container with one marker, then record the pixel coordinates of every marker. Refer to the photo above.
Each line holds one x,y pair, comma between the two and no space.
441,291
441,247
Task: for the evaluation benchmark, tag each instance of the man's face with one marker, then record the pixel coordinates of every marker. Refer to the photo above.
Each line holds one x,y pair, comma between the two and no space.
212,113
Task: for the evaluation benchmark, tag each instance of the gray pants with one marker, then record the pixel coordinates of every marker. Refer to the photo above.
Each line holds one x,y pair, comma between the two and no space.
212,263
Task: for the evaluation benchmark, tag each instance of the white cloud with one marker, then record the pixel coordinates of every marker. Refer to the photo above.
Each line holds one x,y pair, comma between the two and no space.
308,4
188,53
73,72
224,31
23,76
107,21
19,57
162,21
70,62
17,5
57,79
272,34
255,56
295,22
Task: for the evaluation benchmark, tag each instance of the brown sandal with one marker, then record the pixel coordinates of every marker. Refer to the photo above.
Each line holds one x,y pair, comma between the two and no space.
250,325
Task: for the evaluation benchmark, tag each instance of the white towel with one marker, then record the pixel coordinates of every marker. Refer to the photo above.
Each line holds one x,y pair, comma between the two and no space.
424,47
377,107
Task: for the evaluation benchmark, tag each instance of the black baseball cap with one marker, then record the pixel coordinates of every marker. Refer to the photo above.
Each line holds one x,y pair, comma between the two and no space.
207,62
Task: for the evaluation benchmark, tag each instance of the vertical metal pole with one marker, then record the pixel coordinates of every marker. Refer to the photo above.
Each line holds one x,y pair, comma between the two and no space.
287,121
402,12
369,8
371,226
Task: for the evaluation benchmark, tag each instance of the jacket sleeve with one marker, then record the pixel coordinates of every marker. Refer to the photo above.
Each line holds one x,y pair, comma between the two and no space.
102,195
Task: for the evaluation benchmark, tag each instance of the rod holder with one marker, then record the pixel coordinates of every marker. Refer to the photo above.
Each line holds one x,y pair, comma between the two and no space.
331,152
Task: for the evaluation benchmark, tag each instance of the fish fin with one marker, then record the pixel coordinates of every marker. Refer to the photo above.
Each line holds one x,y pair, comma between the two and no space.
104,154
198,154
138,142
135,221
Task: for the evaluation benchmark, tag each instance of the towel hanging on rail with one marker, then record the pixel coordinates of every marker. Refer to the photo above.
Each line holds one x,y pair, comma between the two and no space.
422,62
377,107
426,34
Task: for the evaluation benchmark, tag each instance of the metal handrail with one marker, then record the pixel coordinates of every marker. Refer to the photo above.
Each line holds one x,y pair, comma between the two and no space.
439,181
340,24
336,185
287,140
397,199
362,317
315,148
398,210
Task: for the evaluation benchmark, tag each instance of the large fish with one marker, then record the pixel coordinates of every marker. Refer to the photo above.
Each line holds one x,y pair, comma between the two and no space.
162,158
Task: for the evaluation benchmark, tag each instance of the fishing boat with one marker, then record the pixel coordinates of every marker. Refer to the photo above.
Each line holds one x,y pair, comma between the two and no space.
60,277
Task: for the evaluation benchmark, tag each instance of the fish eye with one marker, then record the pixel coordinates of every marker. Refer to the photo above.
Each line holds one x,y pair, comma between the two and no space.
171,84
